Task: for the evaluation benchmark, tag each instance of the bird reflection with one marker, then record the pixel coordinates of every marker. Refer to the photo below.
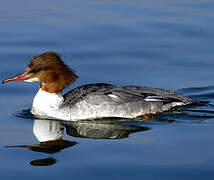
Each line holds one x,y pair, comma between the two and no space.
43,162
50,135
101,130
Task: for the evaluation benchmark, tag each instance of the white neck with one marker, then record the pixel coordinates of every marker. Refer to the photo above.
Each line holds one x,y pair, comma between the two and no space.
46,104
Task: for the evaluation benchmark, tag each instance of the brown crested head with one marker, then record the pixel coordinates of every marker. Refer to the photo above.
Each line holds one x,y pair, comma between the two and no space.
48,68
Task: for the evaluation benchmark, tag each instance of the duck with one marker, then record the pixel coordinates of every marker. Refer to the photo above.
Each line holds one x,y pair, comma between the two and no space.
91,101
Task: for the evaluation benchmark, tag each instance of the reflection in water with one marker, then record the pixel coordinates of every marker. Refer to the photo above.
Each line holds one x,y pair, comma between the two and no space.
51,130
101,131
48,146
47,130
50,135
43,162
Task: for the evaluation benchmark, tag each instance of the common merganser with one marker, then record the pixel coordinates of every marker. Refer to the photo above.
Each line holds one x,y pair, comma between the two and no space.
90,101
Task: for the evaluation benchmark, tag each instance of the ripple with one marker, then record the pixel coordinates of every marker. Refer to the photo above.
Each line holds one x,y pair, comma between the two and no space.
198,91
203,114
24,112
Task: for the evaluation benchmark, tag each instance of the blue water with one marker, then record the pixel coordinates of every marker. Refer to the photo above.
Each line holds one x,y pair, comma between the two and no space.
167,44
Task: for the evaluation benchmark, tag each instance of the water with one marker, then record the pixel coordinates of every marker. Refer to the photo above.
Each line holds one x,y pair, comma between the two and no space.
167,44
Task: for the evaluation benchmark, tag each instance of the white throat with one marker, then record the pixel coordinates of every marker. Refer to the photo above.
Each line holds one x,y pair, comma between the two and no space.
46,104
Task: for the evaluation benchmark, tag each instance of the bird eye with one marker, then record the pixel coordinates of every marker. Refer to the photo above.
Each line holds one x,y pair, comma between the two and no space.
34,71
30,64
